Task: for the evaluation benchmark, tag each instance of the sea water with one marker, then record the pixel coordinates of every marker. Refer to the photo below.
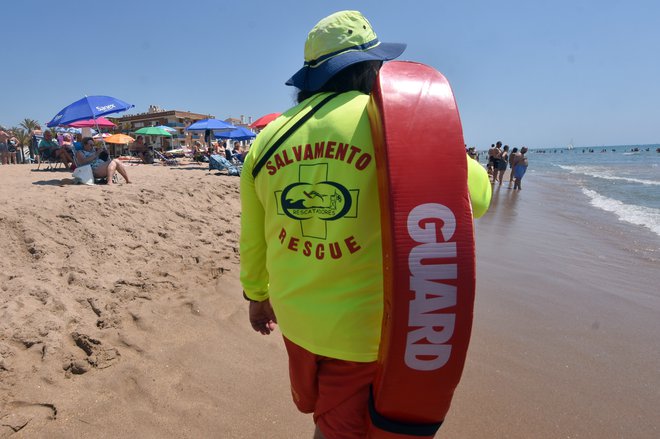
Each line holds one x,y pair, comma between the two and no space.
621,180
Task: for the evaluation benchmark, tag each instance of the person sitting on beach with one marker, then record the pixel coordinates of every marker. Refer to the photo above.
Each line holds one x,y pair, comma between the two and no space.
199,152
77,143
49,148
238,153
142,150
67,143
228,152
100,168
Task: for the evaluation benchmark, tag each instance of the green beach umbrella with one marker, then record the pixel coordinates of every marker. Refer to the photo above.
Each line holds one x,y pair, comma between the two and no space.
153,131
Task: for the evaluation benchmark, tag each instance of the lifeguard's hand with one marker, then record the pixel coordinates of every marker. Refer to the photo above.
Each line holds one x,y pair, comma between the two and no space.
262,317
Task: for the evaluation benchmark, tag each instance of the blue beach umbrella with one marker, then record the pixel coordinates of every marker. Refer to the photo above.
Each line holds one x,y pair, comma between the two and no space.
89,107
240,133
209,125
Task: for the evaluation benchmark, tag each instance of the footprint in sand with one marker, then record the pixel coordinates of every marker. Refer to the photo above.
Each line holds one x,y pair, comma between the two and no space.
22,413
98,356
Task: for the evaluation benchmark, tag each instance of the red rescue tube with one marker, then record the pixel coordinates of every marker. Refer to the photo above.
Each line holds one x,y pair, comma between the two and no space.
428,250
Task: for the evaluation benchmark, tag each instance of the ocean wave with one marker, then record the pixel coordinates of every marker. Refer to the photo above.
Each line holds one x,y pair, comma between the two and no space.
639,215
605,174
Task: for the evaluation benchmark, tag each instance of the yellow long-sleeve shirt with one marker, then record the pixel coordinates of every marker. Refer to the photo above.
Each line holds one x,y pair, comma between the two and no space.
310,228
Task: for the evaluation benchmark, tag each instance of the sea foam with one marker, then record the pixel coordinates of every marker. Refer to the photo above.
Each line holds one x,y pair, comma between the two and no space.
639,215
606,174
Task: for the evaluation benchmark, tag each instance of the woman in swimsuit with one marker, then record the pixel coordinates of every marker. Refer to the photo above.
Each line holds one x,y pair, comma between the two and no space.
100,168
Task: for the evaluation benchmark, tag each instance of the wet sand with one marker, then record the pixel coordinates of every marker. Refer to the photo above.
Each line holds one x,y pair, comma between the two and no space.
121,316
566,323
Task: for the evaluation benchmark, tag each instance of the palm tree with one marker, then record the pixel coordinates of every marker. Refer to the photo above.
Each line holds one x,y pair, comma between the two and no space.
30,125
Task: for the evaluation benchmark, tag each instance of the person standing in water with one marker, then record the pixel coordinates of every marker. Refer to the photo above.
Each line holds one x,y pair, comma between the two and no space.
520,168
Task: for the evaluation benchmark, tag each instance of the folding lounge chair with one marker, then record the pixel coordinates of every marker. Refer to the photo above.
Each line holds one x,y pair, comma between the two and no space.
169,162
45,157
220,162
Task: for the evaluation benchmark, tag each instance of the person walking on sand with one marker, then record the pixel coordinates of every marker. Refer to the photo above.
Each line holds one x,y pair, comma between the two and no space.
520,168
330,323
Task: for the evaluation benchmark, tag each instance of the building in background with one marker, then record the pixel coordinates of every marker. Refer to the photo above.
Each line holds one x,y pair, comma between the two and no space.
176,119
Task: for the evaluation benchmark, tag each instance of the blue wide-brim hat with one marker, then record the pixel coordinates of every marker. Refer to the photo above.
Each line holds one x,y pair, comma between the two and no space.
336,42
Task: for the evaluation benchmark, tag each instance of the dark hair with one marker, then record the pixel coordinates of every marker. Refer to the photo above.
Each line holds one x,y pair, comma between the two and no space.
514,150
359,76
85,140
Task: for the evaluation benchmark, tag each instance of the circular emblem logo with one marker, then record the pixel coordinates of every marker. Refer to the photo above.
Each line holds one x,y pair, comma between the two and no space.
326,200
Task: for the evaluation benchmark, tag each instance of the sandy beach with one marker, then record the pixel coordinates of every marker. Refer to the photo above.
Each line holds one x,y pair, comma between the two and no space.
121,316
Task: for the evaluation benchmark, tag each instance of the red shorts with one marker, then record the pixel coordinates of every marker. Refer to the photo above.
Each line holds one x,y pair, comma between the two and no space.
336,391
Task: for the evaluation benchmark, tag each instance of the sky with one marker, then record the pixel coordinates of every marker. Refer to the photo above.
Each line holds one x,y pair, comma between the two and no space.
537,73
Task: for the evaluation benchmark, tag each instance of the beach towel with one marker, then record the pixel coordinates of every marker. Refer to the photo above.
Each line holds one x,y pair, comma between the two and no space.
216,161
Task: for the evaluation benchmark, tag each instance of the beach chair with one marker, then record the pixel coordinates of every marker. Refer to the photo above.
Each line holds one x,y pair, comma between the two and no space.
167,161
220,162
49,160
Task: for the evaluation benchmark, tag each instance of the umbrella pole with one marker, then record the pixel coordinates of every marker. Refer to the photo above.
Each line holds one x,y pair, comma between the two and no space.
96,123
100,134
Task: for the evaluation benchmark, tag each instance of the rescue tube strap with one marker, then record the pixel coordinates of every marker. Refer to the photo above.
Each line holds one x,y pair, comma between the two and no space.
391,426
269,153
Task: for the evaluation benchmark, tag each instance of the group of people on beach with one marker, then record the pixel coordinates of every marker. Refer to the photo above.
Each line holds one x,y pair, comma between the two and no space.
69,148
234,153
78,152
500,158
